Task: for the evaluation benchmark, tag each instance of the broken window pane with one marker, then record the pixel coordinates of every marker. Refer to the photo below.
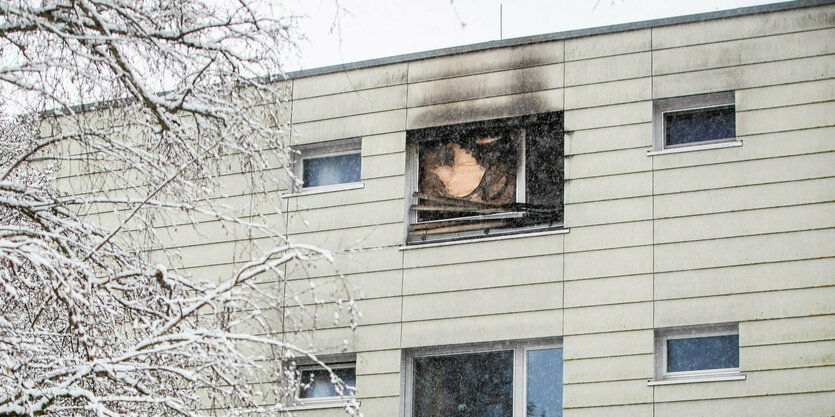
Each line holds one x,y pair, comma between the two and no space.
488,176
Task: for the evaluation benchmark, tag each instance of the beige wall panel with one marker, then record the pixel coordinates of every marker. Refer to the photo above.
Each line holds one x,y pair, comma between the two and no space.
785,95
382,385
607,263
790,330
482,302
785,118
327,341
379,407
353,239
745,198
379,166
742,223
746,278
635,410
483,274
767,145
384,144
607,163
603,345
543,323
745,173
608,139
596,394
485,109
380,362
598,70
610,211
486,61
349,127
321,412
608,44
614,235
211,254
742,307
608,291
794,355
758,383
610,318
745,76
465,252
379,337
818,404
744,250
616,368
490,84
373,285
213,273
745,51
374,189
353,215
742,27
608,188
330,315
359,261
338,82
604,94
615,115
350,103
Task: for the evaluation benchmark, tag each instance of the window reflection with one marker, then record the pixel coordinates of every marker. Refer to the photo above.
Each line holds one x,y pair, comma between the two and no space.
696,353
544,382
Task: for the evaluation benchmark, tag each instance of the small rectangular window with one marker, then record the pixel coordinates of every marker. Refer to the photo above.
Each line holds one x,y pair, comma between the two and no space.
697,352
321,387
327,164
694,120
485,178
505,379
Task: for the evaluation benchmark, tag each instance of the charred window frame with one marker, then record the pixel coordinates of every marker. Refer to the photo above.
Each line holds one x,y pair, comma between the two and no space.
485,178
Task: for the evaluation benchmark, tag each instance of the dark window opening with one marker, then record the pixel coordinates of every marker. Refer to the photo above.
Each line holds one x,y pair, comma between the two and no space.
699,125
487,176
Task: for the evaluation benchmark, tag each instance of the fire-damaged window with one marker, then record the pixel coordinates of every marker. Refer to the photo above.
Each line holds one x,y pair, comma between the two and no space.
486,178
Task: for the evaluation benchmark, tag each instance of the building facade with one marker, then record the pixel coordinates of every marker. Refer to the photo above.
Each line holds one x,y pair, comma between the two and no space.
635,220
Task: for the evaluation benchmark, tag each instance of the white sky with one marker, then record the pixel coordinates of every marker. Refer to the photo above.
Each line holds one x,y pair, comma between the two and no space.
380,28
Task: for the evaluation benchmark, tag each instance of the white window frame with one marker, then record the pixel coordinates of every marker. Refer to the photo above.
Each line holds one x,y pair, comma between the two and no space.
333,362
412,175
520,350
663,377
689,103
323,149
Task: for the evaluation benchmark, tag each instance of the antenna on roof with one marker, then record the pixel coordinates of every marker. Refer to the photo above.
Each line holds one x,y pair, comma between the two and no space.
500,21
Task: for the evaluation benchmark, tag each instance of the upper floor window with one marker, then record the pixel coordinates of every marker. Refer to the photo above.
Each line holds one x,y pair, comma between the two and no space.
482,178
697,353
694,120
327,164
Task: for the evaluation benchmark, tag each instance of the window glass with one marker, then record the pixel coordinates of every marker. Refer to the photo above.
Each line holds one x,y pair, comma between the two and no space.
329,170
699,125
544,383
698,353
316,383
478,384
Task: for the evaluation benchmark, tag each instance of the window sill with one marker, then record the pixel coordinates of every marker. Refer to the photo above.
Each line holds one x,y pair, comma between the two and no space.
325,189
322,404
483,239
707,146
697,379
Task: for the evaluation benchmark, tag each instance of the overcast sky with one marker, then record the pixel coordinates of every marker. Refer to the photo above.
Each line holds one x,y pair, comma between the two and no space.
380,28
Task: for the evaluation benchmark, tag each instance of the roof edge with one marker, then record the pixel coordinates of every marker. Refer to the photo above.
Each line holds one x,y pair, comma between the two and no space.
555,36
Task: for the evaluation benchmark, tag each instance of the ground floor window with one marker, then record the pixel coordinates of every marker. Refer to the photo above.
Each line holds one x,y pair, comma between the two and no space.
506,379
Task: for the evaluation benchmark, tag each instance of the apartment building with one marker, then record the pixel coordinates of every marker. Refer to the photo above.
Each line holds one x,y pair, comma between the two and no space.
633,220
